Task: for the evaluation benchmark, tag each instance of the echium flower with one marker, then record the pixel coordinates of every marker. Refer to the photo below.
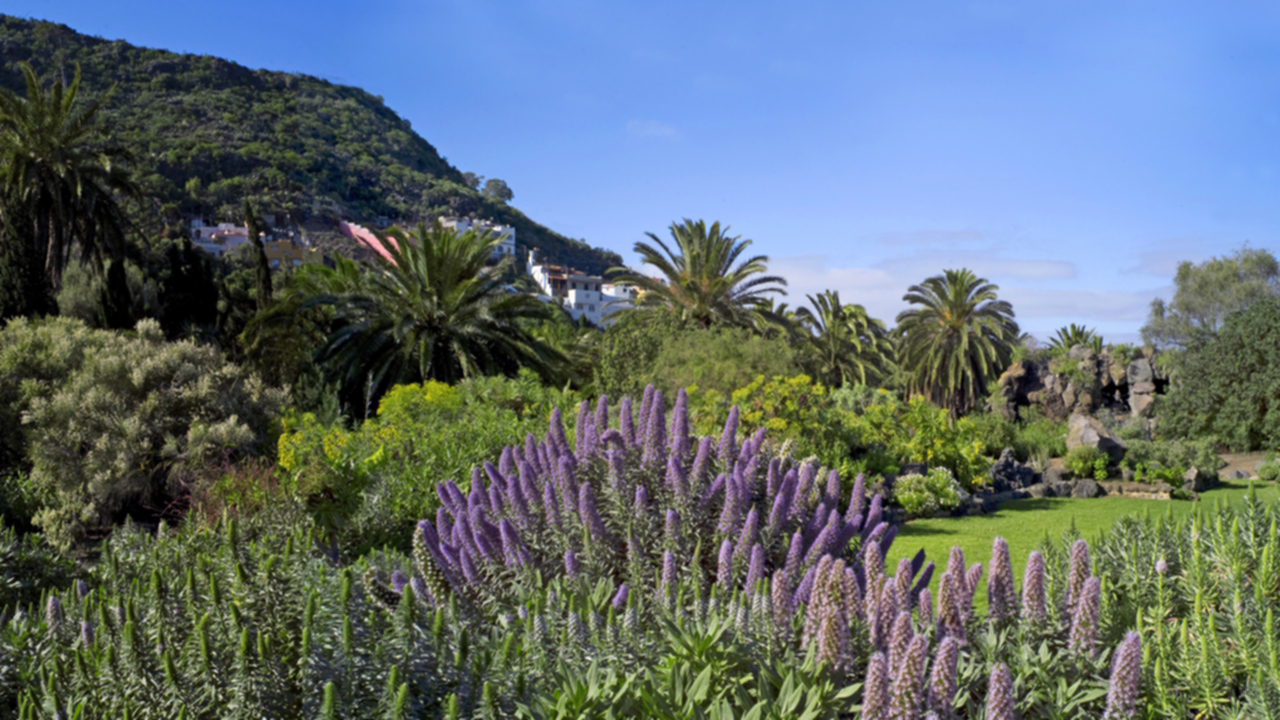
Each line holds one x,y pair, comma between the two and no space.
781,509
444,528
780,600
873,569
1033,600
655,441
746,538
671,529
506,462
617,476
626,423
641,503
680,427
590,515
728,450
816,522
804,488
955,563
496,503
571,566
676,480
795,555
668,573
942,680
86,633
902,584
557,432
1000,594
730,514
646,405
1126,675
1084,621
773,479
429,561
950,620
551,506
398,581
581,434
1077,573
620,599
1000,693
1162,567
53,612
804,590
701,465
477,497
901,635
924,607
531,453
886,613
875,691
82,589
825,543
602,415
857,498
750,469
468,566
512,548
755,570
833,488
724,566
874,513
908,686
971,580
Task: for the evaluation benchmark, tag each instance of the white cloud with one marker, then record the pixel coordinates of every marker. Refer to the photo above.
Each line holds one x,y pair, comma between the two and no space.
651,128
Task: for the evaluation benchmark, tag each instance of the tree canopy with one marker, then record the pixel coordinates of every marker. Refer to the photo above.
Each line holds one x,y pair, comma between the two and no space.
1206,293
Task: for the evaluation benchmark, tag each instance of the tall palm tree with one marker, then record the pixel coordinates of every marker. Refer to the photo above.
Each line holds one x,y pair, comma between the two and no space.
957,339
429,310
58,164
1068,336
846,344
700,279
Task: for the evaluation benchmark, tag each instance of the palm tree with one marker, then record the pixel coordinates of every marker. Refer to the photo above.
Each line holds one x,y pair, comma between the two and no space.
701,282
958,338
429,310
1068,336
846,344
59,166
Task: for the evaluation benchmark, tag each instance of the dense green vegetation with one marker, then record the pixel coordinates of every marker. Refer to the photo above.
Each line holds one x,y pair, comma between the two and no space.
205,133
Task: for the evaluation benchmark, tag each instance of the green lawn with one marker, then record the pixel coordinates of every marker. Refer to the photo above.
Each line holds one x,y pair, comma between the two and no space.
1024,523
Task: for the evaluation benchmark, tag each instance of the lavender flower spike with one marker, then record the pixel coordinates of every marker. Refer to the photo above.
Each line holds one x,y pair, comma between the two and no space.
728,439
1126,674
1000,594
672,528
942,681
626,424
1000,693
620,600
680,427
557,432
668,573
571,566
1084,621
1033,602
1077,574
908,686
701,465
899,637
602,415
590,515
755,570
875,691
724,574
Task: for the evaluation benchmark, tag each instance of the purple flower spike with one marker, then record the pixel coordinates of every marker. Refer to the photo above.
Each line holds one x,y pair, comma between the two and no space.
531,454
724,573
886,542
728,450
646,406
857,498
626,424
1126,675
590,515
1078,573
551,506
780,601
908,686
672,529
1001,600
773,479
506,463
477,497
655,441
824,543
804,487
1000,693
679,443
571,567
781,509
875,691
715,489
86,632
469,570
641,501
902,584
701,464
81,589
668,573
557,432
747,538
873,516
496,502
833,488
530,488
955,562
676,480
924,607
620,599
899,637
795,554
580,432
805,589
730,514
1033,601
444,528
1084,621
926,575
53,612
942,681
755,570
602,415
512,548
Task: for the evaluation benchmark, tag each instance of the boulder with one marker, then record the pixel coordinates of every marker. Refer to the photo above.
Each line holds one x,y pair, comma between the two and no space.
1088,431
1238,474
1145,387
1037,491
1060,488
1007,474
1140,371
1086,488
1127,474
1141,404
1117,372
1196,481
1081,352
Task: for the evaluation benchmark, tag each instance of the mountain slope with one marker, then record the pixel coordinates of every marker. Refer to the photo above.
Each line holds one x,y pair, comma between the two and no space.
206,132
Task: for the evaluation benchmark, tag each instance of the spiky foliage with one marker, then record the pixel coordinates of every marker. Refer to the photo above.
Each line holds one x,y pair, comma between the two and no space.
58,163
956,339
1069,336
846,345
429,309
703,279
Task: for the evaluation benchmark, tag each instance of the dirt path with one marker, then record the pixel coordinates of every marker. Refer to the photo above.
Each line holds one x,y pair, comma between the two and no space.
1245,462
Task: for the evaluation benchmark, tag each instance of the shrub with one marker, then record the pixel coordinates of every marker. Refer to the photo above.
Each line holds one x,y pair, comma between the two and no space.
924,495
124,411
724,360
29,567
920,432
1168,460
1082,461
1270,469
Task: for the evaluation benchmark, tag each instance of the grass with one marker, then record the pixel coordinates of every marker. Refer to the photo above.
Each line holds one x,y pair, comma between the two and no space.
1024,524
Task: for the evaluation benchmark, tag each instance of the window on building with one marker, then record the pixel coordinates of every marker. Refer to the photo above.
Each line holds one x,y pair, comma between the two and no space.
592,308
597,287
275,263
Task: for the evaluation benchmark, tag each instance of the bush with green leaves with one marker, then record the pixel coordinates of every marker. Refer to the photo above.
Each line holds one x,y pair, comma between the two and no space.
1270,468
1082,461
919,432
106,416
29,566
1169,460
924,495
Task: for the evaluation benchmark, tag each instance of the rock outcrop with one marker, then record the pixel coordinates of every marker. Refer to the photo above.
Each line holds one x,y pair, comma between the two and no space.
1088,431
1083,382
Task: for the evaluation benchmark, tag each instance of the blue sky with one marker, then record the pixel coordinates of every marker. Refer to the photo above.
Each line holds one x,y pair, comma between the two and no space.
1071,152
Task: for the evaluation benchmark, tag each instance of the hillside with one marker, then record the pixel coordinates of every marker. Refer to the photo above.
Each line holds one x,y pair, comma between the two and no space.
206,132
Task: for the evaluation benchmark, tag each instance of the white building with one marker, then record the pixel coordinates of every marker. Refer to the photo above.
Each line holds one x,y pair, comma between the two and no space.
505,232
582,295
220,239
